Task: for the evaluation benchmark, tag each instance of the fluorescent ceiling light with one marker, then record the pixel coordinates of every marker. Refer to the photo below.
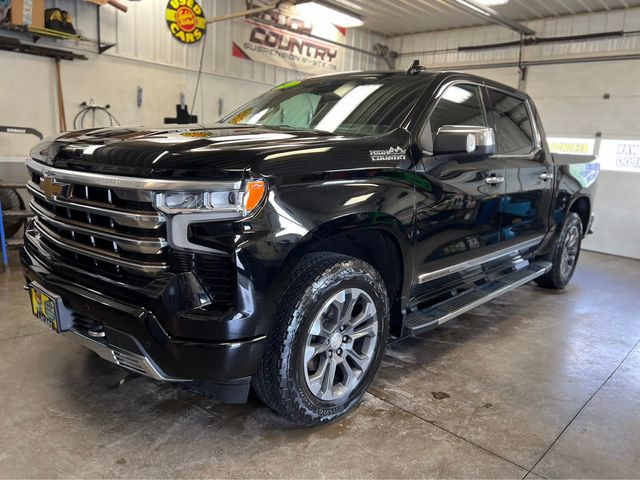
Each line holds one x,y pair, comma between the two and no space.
325,13
483,7
491,3
473,7
456,94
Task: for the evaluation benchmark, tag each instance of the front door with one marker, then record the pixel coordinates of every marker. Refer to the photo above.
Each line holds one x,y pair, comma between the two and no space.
458,201
529,175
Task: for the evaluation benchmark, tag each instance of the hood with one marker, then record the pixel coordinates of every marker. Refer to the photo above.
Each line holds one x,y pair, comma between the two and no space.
222,150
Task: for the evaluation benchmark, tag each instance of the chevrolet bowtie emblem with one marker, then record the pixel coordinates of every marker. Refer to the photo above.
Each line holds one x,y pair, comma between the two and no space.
53,189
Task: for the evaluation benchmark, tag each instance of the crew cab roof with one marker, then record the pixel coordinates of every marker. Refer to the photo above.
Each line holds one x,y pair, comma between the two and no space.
440,75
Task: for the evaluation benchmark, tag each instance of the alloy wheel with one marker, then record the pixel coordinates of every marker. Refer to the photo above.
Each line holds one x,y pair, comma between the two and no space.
570,252
341,344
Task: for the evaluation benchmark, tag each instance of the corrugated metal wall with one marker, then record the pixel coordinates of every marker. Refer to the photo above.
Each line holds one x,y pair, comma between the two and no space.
142,34
439,49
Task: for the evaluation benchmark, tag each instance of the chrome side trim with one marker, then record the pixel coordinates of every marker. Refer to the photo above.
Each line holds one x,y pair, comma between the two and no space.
149,246
126,218
475,262
114,258
132,183
491,296
118,356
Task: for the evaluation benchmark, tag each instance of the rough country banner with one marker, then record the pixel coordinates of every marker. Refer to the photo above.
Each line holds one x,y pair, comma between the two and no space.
280,37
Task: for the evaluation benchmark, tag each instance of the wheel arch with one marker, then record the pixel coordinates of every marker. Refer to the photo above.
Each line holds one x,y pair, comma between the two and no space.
582,206
376,238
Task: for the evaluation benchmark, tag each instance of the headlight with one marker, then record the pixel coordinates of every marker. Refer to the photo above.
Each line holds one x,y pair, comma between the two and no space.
223,204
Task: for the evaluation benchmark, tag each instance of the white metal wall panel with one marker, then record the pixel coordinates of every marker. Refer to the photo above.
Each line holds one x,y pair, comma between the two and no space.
571,98
617,216
438,49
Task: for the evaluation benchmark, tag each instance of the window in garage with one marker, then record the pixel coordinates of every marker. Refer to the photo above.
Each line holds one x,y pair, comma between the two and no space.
510,119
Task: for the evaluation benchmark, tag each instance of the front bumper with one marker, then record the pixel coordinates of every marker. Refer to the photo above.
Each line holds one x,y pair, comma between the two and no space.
132,336
138,362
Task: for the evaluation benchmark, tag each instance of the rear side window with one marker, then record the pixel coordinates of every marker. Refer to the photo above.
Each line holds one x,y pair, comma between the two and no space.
459,105
510,119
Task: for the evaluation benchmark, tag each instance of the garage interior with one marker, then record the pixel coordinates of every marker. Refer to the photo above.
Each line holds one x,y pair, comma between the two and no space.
535,384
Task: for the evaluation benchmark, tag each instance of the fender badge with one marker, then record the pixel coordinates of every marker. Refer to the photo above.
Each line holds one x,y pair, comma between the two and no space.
393,154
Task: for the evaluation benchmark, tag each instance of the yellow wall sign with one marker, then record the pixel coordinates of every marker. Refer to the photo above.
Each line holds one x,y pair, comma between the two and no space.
575,146
186,20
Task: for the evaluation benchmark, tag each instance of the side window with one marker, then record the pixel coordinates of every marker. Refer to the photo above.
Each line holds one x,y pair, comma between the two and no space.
459,105
510,119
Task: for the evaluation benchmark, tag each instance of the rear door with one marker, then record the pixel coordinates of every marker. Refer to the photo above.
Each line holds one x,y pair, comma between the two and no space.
457,202
525,206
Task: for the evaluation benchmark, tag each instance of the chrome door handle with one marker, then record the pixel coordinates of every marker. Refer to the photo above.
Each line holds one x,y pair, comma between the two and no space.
493,180
546,176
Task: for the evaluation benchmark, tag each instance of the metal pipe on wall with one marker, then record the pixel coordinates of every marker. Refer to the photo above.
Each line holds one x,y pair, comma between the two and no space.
533,63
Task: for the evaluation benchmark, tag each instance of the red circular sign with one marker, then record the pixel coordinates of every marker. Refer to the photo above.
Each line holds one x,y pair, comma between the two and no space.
186,19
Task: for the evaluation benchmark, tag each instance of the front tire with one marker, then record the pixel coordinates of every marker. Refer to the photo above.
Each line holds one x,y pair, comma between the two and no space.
564,257
328,339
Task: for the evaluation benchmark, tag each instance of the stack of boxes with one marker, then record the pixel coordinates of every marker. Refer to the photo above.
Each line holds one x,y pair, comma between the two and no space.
27,12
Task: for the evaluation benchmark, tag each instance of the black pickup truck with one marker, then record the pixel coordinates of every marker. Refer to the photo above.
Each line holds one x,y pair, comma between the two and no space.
282,247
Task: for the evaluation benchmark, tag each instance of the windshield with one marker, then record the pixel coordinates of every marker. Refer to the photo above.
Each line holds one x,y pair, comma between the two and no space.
370,104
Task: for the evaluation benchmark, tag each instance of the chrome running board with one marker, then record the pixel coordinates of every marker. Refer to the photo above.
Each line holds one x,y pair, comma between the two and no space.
423,320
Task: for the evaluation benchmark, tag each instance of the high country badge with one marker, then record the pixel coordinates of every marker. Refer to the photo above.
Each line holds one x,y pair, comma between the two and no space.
393,154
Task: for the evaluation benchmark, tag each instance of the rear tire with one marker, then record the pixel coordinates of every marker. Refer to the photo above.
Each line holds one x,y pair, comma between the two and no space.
328,339
564,257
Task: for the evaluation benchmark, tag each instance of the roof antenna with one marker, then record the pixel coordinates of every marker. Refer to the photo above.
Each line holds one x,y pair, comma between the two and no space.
416,68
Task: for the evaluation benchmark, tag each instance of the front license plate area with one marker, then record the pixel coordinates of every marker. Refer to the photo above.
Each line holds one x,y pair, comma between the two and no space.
46,307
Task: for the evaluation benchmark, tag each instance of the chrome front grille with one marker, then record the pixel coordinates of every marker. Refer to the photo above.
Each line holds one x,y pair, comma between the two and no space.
107,225
115,230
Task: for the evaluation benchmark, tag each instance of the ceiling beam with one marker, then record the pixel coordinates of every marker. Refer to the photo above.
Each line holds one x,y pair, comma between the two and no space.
490,15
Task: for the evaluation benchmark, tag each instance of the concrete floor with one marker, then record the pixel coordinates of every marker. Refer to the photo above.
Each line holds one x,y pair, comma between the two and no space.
534,384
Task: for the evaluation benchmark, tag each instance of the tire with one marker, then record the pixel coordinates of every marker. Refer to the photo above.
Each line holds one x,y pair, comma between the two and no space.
332,318
564,257
11,200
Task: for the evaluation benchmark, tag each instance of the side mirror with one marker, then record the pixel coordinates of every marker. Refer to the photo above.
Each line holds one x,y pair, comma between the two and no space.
465,141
